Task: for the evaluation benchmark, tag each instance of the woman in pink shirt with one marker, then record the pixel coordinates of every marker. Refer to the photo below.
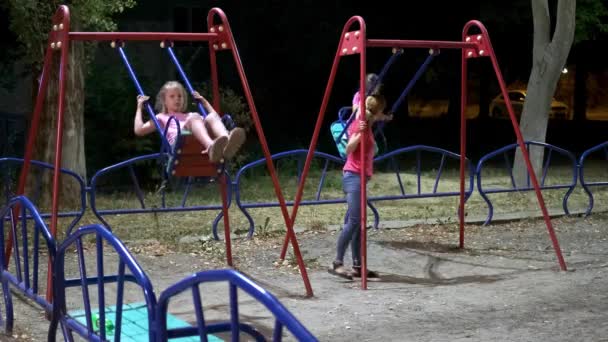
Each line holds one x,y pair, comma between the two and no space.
351,182
172,101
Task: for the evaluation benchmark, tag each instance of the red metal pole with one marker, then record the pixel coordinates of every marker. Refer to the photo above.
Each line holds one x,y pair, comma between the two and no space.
226,220
313,143
141,36
363,204
31,139
215,88
63,15
258,126
427,44
463,141
216,104
520,141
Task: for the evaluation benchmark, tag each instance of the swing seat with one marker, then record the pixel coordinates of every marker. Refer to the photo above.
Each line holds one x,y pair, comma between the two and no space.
189,162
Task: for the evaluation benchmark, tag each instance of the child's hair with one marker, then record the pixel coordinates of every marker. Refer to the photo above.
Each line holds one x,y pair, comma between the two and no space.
372,80
160,97
375,103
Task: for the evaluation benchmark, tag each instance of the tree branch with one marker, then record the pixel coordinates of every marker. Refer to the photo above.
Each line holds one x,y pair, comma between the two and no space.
542,22
565,27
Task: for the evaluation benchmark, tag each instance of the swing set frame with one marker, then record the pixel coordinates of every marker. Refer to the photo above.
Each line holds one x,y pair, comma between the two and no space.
354,42
219,37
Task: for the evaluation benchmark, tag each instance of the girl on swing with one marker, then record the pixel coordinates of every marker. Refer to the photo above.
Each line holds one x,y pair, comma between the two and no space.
172,100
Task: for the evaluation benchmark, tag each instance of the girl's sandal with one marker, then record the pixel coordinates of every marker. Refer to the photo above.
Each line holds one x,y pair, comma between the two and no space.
216,150
371,275
340,271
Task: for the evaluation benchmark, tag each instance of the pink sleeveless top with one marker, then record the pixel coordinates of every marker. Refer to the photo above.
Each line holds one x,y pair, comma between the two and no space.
172,130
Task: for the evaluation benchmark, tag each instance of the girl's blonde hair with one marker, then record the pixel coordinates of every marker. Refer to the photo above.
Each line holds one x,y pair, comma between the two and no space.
160,97
375,103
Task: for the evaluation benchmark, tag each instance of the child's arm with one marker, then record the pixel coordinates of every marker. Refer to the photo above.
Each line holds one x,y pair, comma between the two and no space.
139,127
206,104
354,139
384,117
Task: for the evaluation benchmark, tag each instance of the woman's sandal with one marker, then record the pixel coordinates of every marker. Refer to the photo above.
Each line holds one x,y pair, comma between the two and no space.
371,275
340,271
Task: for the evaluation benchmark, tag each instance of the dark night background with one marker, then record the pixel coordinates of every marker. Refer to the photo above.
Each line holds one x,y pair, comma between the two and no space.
287,49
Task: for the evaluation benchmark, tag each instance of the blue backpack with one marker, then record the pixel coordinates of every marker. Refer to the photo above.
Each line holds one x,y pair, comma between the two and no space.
336,128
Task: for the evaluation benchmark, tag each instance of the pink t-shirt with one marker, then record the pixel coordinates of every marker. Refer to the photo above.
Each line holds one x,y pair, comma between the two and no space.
172,130
357,99
353,160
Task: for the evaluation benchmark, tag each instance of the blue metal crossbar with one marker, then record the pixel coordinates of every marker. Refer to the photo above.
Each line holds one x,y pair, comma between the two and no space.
92,273
588,185
508,166
293,153
419,193
143,208
390,157
126,262
6,166
26,244
236,281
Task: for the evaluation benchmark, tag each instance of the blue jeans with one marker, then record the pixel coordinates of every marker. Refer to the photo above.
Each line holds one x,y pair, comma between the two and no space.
351,233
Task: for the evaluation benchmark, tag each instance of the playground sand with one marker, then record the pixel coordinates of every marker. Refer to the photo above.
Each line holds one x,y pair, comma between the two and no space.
504,286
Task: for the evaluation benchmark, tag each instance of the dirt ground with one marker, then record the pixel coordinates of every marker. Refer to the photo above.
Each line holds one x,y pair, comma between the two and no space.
504,286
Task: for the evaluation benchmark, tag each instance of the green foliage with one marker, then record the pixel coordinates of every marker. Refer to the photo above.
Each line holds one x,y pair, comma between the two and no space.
109,111
591,19
263,229
31,21
591,16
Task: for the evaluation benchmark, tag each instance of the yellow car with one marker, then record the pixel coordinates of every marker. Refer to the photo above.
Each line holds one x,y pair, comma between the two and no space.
498,108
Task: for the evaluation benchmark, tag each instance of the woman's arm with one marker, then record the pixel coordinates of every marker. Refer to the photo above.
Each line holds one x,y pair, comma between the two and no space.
354,139
139,127
383,117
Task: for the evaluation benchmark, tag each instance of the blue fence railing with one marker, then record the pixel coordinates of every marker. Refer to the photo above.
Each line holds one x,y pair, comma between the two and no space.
140,201
506,161
30,260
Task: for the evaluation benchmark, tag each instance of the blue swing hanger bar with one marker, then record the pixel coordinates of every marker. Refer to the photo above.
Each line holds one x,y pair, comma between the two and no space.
184,77
396,54
410,85
166,146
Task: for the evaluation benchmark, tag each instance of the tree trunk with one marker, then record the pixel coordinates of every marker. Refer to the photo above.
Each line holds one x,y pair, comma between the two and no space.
73,157
549,57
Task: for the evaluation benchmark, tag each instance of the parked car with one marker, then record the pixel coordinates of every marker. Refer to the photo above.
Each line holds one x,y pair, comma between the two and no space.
419,108
498,108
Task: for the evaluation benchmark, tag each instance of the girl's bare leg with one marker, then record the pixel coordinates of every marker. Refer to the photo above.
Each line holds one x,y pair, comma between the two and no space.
196,125
213,147
215,126
236,137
